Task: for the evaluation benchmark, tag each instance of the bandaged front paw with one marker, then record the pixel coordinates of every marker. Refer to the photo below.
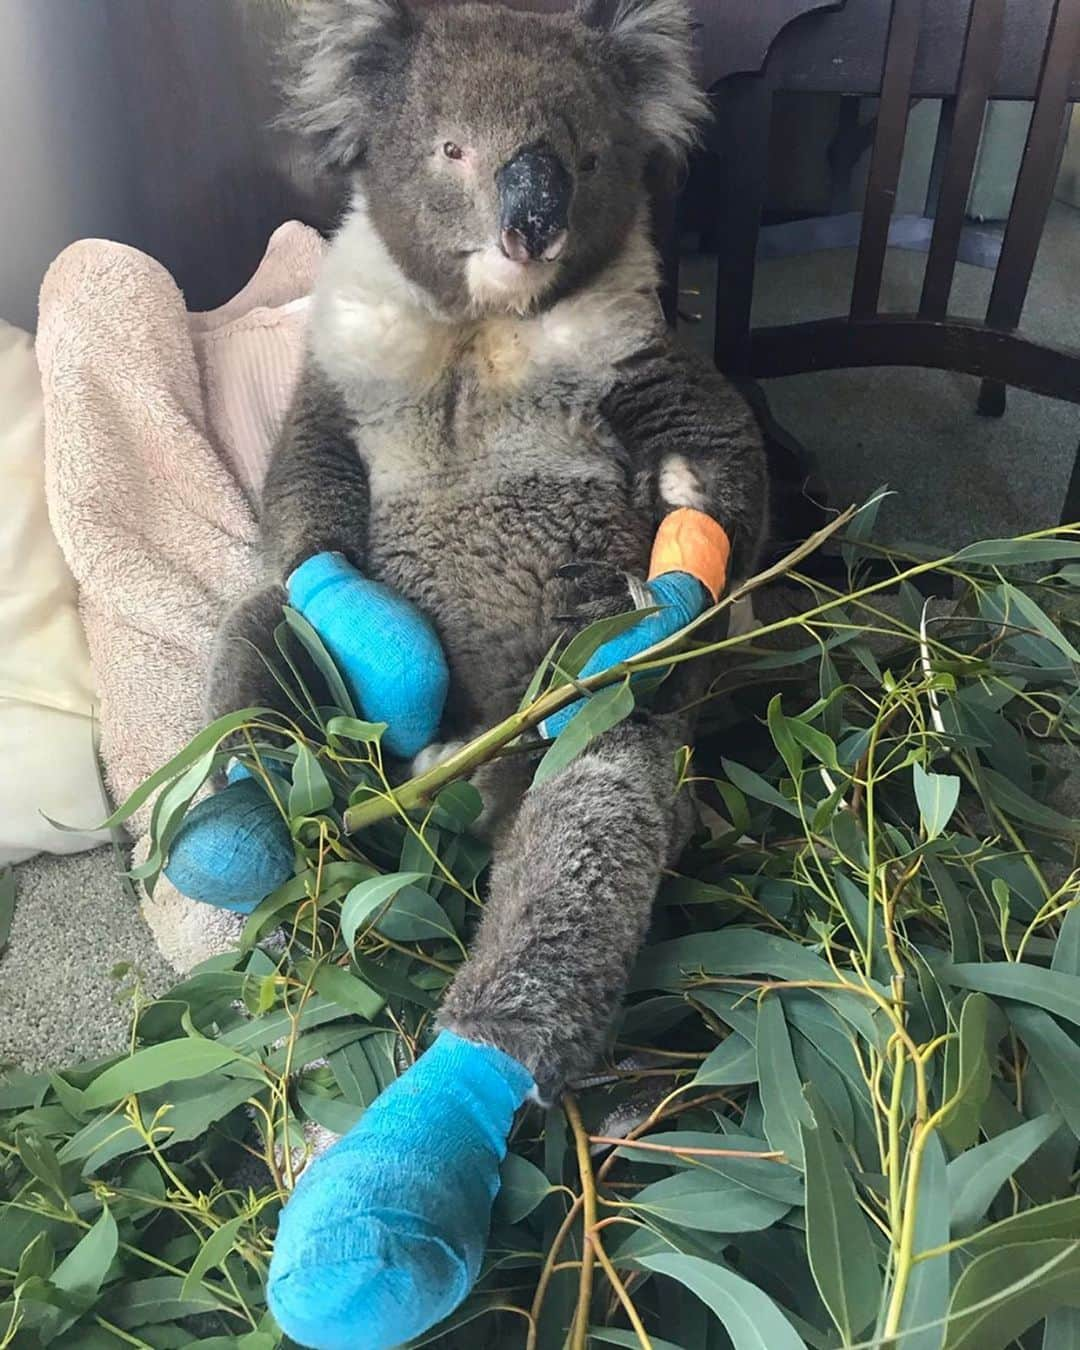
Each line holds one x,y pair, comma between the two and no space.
388,653
681,599
687,571
233,848
385,1233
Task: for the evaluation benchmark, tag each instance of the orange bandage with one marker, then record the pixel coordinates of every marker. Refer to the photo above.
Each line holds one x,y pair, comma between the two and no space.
690,541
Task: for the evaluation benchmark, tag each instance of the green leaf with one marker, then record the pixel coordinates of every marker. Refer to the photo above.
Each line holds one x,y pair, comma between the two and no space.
629,1339
82,1272
750,1317
310,793
734,1061
142,1303
841,1253
781,1091
601,712
392,983
332,1113
461,803
1050,990
536,680
206,740
822,747
337,985
37,1260
156,1065
1056,1055
1062,1330
968,1073
1066,959
976,1176
169,811
589,641
324,663
214,1251
1024,610
1017,552
353,729
775,1180
522,1187
335,880
785,742
753,785
927,1298
1060,1219
40,1160
373,903
739,951
701,1199
1018,804
7,905
937,795
1008,1289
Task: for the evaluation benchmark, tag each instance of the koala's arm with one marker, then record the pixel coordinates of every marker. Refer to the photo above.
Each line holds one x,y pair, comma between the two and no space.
315,498
693,440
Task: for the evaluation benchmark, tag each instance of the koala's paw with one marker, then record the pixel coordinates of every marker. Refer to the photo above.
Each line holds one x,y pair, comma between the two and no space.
434,755
592,590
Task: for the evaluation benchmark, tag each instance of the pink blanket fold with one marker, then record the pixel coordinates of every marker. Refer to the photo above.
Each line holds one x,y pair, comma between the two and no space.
158,427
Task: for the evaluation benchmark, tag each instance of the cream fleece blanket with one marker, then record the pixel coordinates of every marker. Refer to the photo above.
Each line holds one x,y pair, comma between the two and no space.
158,428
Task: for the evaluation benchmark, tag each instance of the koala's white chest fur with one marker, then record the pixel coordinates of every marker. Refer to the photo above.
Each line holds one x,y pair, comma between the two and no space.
450,405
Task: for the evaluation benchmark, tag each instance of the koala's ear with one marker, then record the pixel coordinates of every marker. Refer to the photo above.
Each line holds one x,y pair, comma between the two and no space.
347,57
651,41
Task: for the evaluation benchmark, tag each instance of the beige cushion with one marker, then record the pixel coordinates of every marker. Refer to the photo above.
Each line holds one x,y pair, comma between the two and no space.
47,762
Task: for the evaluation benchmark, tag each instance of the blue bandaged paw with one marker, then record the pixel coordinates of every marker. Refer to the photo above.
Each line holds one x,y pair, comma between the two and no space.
387,652
682,598
384,1234
233,848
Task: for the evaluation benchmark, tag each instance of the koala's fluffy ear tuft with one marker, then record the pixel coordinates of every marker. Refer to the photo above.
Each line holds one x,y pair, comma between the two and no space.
651,39
346,56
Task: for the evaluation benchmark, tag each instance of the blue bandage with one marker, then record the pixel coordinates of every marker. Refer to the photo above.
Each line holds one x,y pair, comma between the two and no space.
385,1233
388,653
233,848
681,597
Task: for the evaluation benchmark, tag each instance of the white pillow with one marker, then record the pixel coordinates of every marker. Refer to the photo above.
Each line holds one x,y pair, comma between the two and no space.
47,701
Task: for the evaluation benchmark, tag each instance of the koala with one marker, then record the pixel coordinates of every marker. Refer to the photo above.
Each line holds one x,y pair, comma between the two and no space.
490,395
492,421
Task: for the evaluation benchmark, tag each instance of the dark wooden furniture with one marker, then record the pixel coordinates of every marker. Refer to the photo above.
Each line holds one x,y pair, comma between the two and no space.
211,178
965,52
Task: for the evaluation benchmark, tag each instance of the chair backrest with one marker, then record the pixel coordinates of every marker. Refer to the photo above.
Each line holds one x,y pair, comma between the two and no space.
966,52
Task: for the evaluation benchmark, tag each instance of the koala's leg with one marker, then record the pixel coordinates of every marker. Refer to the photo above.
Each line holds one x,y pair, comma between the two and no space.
234,847
239,677
386,1231
571,893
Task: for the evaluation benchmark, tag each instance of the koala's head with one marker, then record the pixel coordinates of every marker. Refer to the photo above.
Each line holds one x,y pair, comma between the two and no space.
501,154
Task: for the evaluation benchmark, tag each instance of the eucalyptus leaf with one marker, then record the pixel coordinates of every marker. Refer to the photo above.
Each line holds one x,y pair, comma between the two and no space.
751,1318
937,795
976,1176
599,713
838,1244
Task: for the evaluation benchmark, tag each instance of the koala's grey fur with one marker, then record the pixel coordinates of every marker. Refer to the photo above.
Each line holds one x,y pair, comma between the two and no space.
464,428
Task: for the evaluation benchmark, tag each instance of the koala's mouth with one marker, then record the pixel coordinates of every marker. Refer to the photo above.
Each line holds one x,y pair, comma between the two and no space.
495,280
515,253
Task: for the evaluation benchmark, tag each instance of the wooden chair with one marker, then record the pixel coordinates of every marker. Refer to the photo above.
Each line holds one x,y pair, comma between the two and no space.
965,52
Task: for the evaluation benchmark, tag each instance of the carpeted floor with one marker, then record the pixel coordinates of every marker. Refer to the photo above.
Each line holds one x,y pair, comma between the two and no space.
958,477
74,924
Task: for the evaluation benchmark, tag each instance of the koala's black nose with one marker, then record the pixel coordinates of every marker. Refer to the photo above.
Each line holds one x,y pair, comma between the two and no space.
534,199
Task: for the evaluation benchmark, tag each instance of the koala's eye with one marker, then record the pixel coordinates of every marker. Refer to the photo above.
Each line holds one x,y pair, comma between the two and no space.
452,151
588,163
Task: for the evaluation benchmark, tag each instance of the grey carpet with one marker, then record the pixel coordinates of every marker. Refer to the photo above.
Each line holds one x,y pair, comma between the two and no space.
74,923
957,476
